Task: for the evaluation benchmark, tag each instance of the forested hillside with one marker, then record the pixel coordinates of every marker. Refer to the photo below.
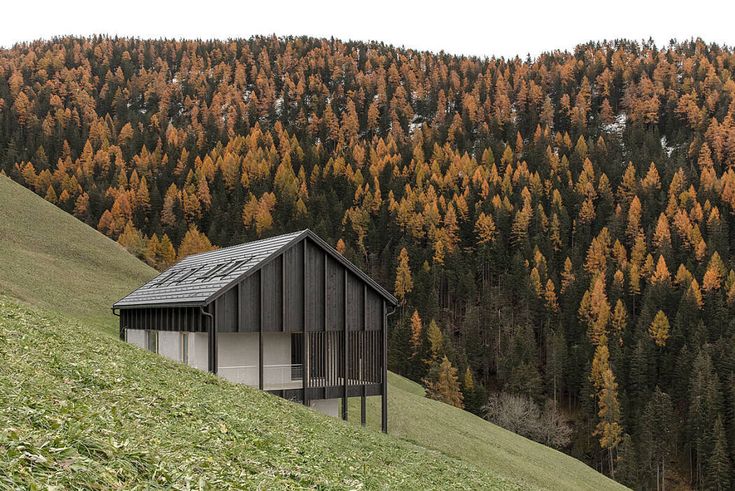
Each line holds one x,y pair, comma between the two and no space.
65,368
557,229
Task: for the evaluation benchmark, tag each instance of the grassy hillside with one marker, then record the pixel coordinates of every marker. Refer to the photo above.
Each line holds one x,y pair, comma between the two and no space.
52,260
460,434
81,409
78,409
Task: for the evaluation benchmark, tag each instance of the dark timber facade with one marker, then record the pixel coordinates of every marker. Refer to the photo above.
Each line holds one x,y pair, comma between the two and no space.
288,315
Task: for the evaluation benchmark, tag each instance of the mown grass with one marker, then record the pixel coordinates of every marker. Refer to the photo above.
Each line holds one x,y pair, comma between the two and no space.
81,410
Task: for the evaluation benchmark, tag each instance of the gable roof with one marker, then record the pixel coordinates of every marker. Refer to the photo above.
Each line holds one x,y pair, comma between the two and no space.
199,279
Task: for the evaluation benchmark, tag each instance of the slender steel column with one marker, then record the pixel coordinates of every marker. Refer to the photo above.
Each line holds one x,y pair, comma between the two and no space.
363,411
345,362
260,334
305,359
363,418
212,348
384,401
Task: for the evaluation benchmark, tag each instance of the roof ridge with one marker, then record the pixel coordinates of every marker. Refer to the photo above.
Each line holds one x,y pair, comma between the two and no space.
242,244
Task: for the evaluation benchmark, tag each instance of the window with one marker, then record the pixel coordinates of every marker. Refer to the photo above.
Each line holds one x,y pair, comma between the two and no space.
230,268
185,348
151,341
209,273
186,275
165,278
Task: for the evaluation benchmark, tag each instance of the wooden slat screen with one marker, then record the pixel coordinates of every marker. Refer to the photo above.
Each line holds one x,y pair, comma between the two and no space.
326,358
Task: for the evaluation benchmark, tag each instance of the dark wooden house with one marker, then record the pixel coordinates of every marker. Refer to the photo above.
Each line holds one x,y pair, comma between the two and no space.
289,315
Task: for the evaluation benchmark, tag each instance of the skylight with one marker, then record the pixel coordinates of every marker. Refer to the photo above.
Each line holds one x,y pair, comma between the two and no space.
233,266
208,274
165,278
187,275
201,273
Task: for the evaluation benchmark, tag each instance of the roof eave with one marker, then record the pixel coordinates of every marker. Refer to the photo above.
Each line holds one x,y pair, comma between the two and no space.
158,305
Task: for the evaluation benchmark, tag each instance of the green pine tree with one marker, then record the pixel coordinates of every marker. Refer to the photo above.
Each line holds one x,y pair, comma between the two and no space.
657,435
718,474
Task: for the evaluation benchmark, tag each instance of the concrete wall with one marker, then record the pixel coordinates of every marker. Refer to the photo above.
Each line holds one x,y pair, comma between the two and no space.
199,350
330,407
277,361
238,359
169,345
136,337
276,348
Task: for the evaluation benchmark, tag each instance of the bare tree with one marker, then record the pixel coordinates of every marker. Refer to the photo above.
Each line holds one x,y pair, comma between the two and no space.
521,415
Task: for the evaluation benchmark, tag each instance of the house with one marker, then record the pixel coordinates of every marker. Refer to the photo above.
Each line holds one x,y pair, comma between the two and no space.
288,315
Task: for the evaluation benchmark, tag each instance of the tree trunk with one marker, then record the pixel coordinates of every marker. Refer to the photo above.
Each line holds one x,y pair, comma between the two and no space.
612,468
497,347
663,474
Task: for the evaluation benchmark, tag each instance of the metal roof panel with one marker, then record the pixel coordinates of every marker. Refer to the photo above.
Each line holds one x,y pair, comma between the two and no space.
193,288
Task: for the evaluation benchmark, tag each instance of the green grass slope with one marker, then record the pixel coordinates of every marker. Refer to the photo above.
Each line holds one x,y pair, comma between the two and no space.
460,434
51,260
79,409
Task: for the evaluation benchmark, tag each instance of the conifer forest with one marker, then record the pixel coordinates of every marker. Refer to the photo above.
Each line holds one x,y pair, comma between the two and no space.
557,229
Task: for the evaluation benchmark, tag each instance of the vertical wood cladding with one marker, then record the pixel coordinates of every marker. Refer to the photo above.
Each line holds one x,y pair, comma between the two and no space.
355,318
373,311
335,303
162,319
314,288
250,304
226,311
272,278
293,263
304,287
